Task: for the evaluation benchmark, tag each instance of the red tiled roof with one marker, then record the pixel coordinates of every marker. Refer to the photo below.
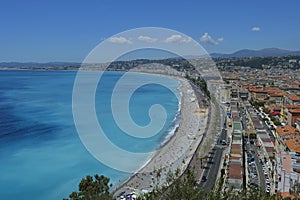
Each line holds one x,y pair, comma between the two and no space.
276,108
235,171
289,106
294,144
236,146
270,149
288,194
286,130
294,111
266,140
293,97
233,151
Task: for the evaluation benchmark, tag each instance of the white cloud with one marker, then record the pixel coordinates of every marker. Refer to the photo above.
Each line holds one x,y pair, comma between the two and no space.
255,29
178,38
186,39
173,38
207,39
120,40
220,40
147,39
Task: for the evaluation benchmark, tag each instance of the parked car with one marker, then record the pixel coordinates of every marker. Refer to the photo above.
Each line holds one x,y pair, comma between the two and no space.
266,175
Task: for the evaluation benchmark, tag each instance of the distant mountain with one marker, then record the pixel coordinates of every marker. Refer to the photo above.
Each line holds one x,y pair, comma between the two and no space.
268,52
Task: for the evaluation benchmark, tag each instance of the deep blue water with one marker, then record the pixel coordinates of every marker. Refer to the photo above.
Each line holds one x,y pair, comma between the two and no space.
41,155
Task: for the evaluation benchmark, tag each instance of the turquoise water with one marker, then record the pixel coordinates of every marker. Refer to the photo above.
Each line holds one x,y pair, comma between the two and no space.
41,155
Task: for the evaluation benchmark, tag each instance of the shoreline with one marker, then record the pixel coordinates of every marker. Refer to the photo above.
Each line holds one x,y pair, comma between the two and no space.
168,135
176,152
171,131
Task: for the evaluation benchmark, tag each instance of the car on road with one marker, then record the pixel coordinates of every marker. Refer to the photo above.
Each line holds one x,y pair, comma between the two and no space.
250,160
252,175
266,175
203,179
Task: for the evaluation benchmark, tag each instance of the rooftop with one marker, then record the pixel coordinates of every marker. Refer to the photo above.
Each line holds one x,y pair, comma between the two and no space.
294,111
293,97
286,162
235,171
286,130
293,144
291,106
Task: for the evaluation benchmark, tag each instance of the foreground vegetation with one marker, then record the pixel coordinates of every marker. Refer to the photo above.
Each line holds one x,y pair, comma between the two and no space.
183,188
92,188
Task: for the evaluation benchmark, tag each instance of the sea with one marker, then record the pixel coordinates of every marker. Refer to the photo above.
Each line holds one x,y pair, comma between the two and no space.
41,154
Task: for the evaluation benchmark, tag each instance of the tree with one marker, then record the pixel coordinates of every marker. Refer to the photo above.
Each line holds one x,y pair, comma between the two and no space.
178,188
90,188
295,190
201,84
185,188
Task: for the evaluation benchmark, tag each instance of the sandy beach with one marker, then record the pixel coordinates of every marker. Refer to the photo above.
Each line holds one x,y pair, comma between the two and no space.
178,151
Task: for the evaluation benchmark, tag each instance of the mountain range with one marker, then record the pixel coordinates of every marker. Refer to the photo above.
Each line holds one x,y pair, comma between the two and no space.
268,52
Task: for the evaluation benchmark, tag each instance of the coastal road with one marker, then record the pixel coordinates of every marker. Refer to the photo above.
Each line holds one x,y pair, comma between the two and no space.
213,164
212,168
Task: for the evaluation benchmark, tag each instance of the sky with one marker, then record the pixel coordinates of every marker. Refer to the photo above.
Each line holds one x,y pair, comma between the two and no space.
62,30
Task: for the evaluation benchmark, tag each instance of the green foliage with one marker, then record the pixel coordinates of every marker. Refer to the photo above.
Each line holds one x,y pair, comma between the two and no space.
201,84
295,190
185,188
257,104
266,111
90,188
221,181
222,172
224,163
277,123
182,188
